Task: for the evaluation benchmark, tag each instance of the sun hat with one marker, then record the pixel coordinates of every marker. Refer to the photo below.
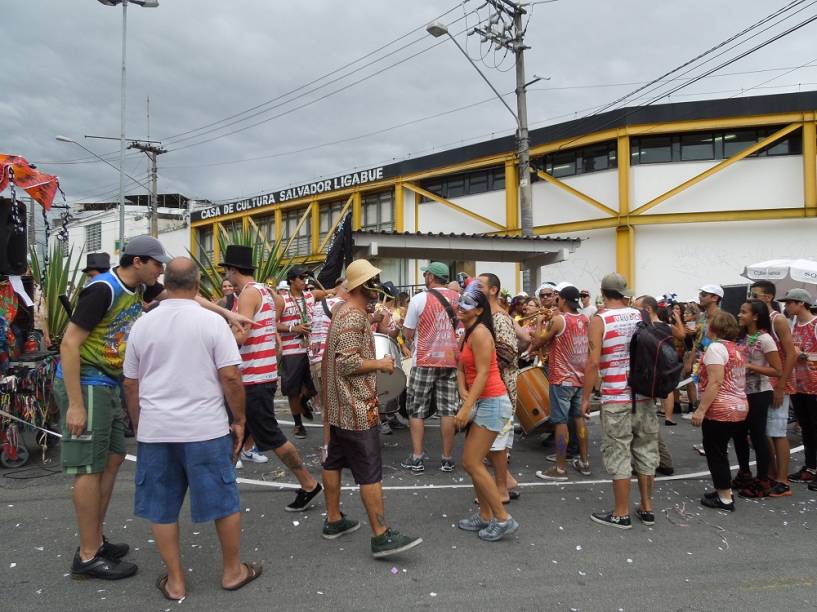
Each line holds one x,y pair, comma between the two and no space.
360,271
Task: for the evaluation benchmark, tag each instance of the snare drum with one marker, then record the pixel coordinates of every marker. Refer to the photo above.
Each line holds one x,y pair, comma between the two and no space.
533,403
389,386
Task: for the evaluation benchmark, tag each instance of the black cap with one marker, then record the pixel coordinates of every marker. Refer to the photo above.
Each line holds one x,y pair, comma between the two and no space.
296,271
97,261
570,295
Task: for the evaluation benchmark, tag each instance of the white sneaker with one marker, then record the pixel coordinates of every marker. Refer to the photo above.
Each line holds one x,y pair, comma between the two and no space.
253,456
687,416
238,464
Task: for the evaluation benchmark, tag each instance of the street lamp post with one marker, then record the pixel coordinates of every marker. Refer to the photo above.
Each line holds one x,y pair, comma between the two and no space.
123,106
520,117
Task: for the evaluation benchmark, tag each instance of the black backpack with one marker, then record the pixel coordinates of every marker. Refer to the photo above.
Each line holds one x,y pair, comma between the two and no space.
655,368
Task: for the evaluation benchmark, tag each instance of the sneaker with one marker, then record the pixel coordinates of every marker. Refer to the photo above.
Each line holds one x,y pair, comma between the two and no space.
496,530
253,456
782,489
446,465
395,424
582,467
239,465
332,531
645,516
668,423
759,488
299,432
715,502
611,520
711,494
553,473
415,465
102,568
391,542
699,448
804,474
743,479
385,429
687,416
303,498
472,523
113,552
664,471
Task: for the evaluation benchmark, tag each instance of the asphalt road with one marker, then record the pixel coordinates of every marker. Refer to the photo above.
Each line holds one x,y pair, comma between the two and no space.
760,557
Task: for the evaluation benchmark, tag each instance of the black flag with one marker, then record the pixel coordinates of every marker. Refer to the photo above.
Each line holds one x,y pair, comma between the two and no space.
339,254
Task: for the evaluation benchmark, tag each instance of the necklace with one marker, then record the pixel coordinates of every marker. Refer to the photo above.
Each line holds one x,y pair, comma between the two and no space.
751,340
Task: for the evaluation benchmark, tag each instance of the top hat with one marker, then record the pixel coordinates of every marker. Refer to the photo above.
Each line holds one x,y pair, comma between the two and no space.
238,256
97,261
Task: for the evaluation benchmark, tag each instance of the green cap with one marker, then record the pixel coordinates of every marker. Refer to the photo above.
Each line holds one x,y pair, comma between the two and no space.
437,269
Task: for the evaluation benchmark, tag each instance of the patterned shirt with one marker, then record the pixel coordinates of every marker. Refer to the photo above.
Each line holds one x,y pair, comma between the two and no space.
805,338
506,353
350,399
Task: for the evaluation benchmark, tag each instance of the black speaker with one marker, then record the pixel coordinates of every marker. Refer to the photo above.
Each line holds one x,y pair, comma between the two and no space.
13,238
733,297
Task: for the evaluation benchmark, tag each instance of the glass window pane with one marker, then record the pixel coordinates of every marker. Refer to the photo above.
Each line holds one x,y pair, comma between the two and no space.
478,183
655,149
595,159
564,164
697,147
455,187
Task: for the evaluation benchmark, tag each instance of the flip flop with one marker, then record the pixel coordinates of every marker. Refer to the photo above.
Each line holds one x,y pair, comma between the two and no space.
514,494
161,584
254,570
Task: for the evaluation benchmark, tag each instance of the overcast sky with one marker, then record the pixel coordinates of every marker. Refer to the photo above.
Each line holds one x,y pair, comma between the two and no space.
202,61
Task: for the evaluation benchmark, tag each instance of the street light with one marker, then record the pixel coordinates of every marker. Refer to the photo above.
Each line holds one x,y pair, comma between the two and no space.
124,3
102,159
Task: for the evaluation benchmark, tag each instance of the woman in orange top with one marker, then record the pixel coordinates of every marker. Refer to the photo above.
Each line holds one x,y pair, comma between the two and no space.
485,402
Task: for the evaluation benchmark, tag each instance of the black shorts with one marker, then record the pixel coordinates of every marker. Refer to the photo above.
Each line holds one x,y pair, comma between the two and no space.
261,421
357,450
296,375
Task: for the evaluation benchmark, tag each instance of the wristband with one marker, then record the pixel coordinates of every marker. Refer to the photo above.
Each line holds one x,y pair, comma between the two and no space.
290,328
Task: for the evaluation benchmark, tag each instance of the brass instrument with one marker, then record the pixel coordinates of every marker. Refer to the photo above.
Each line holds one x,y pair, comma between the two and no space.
545,313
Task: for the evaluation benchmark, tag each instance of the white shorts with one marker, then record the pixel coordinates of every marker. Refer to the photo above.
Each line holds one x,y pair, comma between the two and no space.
777,419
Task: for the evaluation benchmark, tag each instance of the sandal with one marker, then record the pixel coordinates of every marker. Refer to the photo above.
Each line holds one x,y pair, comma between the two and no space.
514,494
161,584
254,570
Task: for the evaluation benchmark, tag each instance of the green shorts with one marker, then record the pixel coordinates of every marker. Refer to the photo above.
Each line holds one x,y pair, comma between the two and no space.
104,434
629,440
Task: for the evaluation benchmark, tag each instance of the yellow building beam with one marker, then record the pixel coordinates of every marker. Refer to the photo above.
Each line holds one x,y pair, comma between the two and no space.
570,227
399,208
331,231
764,214
625,233
217,229
575,192
625,252
257,229
433,196
357,213
316,228
279,223
810,167
511,195
717,168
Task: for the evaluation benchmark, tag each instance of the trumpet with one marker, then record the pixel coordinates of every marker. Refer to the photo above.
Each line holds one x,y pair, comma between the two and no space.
545,313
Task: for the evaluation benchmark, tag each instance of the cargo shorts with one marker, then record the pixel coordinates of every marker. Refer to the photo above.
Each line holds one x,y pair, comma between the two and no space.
104,432
629,440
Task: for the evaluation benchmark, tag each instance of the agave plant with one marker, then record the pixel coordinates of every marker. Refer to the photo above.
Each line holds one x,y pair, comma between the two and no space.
62,276
266,258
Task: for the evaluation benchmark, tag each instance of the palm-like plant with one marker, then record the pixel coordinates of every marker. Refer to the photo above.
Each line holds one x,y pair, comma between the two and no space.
265,256
61,277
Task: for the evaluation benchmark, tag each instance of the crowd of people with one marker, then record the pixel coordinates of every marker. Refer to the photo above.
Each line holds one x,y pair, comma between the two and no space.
200,393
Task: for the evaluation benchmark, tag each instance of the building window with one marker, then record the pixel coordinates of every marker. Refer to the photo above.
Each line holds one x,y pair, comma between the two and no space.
65,246
695,147
329,214
93,237
578,161
266,232
377,211
466,183
204,243
301,245
738,140
654,149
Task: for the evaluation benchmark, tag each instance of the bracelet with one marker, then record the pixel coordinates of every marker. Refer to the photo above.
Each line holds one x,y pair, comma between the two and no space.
290,328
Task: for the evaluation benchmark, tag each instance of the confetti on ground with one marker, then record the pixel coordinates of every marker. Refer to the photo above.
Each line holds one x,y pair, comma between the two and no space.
629,560
394,571
578,547
296,523
433,594
12,565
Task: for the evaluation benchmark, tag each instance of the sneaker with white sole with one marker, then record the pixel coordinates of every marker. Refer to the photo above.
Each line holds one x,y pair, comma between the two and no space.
472,523
253,456
239,465
553,473
611,520
497,530
582,467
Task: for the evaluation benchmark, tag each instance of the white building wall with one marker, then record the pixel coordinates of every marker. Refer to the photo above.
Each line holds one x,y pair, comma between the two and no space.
552,204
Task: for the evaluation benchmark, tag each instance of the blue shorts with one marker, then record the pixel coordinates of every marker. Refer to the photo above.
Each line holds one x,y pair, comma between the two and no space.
165,470
493,413
565,403
777,419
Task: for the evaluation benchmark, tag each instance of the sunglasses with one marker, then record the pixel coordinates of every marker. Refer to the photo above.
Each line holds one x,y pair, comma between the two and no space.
584,295
704,294
545,294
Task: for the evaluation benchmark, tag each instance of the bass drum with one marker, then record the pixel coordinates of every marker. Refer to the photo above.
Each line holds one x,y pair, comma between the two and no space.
533,401
389,386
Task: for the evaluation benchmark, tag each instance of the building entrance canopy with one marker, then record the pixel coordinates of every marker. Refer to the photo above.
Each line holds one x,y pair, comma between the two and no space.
534,251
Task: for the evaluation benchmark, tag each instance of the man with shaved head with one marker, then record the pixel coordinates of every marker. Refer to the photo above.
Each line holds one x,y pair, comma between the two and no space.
181,362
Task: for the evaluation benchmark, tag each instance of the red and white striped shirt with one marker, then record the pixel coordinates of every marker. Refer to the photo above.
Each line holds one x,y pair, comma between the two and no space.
259,363
320,329
296,312
568,352
614,366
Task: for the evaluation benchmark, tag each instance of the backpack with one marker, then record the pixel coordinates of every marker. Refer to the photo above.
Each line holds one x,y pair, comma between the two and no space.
655,368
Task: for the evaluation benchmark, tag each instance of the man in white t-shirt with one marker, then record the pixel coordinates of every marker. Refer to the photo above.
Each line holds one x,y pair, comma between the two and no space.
181,362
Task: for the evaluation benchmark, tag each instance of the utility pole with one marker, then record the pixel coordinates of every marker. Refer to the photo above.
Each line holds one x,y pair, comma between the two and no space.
152,151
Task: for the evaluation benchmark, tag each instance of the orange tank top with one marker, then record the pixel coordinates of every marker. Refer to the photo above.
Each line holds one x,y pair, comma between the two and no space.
494,387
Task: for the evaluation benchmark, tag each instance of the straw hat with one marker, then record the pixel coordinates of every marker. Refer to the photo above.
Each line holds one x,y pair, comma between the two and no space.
358,272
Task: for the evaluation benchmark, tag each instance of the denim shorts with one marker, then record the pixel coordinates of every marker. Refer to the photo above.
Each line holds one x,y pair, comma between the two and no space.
565,403
493,413
165,470
777,419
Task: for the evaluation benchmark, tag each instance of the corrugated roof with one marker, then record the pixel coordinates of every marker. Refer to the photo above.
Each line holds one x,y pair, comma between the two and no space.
464,235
